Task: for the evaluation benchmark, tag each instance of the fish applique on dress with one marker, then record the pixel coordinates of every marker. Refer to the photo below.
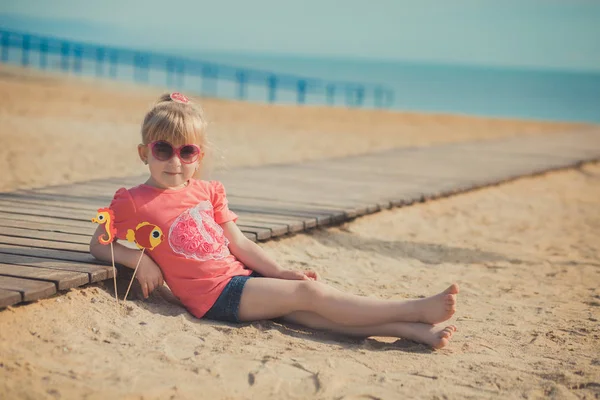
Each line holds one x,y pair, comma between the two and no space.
145,236
195,234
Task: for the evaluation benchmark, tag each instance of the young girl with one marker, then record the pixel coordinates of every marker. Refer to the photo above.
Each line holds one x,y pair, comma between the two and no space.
192,241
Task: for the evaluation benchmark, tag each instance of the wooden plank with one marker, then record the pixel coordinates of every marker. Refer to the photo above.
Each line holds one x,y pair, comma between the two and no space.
81,190
259,232
44,213
65,255
298,209
44,219
57,197
62,208
87,228
49,211
12,199
343,171
11,223
460,163
45,235
517,155
315,218
62,279
30,289
413,170
361,194
293,224
250,236
300,194
272,184
322,214
326,176
575,146
94,271
373,173
44,244
58,214
276,229
9,297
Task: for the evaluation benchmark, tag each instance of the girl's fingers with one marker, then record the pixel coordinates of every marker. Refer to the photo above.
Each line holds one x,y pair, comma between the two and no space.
152,287
312,275
297,275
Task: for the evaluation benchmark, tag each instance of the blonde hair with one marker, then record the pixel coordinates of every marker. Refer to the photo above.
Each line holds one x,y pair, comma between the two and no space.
178,123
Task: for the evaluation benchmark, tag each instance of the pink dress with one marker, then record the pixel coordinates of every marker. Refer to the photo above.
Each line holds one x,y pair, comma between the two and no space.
194,256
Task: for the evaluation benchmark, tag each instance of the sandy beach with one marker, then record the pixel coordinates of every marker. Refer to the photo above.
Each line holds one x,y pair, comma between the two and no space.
526,255
46,116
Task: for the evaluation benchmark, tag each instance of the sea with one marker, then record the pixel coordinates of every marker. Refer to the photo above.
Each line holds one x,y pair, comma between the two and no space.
506,92
503,92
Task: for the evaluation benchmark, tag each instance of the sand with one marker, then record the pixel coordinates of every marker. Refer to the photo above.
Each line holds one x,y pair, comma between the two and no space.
526,255
45,117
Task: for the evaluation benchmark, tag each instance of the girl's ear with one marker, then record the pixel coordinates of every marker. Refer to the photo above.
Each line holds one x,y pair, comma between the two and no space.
143,153
198,171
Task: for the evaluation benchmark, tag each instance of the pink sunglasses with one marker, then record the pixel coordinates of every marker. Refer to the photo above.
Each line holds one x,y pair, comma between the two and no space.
164,151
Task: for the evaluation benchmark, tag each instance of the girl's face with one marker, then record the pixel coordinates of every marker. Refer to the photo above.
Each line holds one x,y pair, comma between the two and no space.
171,167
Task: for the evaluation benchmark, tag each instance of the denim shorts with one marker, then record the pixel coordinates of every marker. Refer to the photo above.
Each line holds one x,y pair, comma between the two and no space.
227,306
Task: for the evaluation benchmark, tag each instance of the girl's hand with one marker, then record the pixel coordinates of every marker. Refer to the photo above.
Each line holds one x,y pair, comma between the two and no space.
312,275
149,275
298,275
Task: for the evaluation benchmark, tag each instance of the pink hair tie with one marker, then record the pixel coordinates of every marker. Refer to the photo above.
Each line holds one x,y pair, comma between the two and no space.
179,98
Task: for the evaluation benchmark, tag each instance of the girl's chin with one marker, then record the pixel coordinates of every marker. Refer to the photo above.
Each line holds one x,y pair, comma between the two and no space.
173,182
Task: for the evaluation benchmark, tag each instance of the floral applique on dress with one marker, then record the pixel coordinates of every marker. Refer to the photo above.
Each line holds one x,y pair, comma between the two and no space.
195,234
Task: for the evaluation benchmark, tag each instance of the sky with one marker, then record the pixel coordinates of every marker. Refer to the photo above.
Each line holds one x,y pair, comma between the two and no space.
548,34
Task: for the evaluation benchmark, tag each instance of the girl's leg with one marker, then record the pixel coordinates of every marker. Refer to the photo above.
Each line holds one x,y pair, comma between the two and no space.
266,298
434,336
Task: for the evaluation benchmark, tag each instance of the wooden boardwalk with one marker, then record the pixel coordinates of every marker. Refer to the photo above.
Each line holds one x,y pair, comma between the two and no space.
45,233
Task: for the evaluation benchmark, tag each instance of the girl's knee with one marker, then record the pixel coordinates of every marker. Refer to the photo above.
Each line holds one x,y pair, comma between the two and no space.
311,291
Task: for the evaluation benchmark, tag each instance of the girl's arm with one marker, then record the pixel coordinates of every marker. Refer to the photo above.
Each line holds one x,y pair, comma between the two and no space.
254,257
149,274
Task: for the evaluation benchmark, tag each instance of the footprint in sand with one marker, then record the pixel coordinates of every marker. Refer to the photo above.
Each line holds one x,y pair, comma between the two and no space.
181,346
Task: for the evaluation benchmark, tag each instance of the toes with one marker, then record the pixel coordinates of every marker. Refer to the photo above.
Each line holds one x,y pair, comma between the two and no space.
449,330
441,344
452,289
450,299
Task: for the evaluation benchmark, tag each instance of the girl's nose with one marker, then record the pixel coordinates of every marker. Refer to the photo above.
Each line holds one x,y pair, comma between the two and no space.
175,161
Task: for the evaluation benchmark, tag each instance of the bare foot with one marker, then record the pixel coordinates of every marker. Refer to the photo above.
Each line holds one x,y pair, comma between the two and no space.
432,335
438,308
